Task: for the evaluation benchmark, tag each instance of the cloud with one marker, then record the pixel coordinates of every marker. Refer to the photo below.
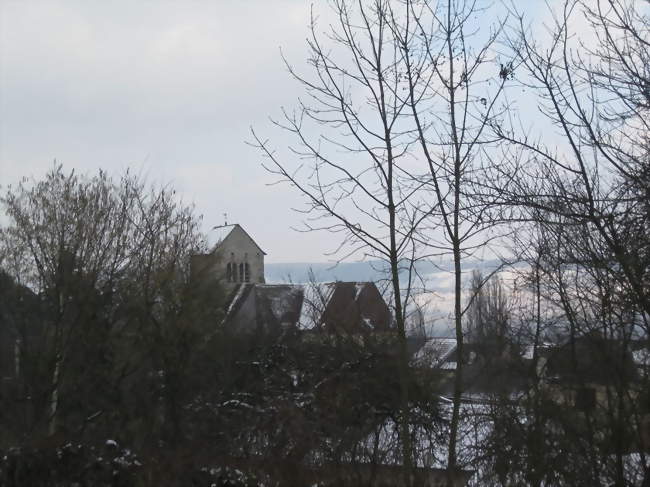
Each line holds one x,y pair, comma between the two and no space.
168,88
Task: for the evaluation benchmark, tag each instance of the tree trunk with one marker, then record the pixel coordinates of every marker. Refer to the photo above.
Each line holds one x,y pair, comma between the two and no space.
452,461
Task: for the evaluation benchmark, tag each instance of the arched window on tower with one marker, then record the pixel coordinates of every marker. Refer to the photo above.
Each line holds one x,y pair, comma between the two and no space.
229,272
234,272
247,272
241,272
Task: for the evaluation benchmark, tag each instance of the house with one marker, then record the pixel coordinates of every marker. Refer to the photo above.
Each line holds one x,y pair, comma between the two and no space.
345,307
434,352
264,307
234,257
486,370
579,372
351,308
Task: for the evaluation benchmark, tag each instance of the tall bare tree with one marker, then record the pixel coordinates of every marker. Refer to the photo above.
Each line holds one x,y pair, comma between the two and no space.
389,142
595,92
353,148
455,85
584,182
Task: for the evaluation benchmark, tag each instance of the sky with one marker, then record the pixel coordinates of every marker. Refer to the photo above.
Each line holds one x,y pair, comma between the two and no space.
168,89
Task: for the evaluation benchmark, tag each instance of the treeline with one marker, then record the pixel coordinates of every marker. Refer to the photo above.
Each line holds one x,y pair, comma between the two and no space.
104,331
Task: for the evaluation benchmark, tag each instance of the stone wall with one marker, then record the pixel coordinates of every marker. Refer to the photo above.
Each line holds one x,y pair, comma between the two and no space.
236,259
239,249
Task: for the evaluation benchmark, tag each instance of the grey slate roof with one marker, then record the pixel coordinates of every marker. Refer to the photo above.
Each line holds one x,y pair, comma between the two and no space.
435,352
356,306
218,234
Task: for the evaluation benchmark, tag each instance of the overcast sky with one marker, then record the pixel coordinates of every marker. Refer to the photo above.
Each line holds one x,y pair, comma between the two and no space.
167,88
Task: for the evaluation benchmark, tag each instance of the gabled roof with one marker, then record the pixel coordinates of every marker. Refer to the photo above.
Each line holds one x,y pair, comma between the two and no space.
236,299
267,306
435,352
591,358
340,302
310,306
220,233
316,299
278,304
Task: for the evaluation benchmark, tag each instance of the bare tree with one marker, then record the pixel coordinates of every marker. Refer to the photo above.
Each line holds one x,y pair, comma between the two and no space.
585,189
110,260
455,83
65,241
401,100
487,317
356,176
595,93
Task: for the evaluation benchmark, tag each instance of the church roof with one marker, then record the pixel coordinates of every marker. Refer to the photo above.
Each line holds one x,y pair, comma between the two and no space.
219,233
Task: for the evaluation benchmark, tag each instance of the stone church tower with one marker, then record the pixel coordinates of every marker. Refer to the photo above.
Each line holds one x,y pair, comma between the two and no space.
235,258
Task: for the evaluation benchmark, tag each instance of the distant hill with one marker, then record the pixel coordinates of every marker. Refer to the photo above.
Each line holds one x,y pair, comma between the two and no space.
299,272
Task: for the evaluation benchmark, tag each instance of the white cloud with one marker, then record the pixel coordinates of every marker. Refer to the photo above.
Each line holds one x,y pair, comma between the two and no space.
167,87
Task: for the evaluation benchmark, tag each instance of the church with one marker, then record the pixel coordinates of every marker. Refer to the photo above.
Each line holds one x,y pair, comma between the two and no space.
236,261
234,258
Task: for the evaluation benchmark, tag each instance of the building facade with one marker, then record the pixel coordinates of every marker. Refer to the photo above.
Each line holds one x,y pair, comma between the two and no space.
235,258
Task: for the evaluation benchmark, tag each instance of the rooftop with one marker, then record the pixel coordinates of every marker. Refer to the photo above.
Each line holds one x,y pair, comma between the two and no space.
218,234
